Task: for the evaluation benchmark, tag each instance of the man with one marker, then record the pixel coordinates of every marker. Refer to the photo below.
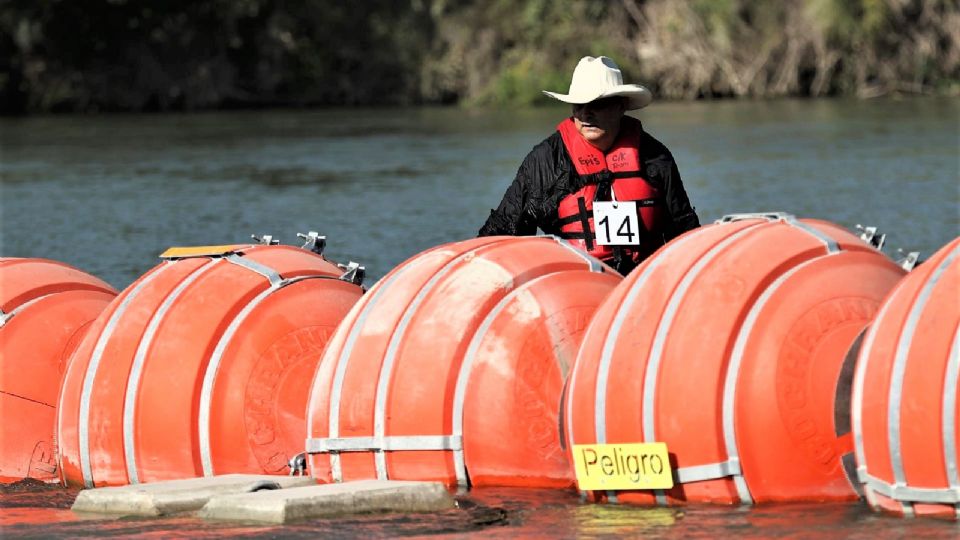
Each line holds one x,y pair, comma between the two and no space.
600,180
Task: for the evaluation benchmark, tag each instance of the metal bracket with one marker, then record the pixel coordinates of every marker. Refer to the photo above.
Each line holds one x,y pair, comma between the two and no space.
872,236
909,260
298,464
392,443
907,494
709,471
313,242
769,216
266,240
352,272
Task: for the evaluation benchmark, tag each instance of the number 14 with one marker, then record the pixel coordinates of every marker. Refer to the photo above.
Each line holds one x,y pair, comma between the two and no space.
617,223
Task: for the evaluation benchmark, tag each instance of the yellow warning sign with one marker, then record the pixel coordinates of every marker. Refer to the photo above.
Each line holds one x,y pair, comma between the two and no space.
622,466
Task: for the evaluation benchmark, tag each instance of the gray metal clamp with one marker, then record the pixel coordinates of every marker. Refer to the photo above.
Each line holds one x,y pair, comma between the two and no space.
313,242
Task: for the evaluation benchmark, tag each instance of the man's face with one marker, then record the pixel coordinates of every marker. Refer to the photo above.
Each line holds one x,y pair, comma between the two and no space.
599,121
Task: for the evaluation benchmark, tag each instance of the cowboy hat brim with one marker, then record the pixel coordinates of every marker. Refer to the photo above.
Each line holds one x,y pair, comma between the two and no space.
637,96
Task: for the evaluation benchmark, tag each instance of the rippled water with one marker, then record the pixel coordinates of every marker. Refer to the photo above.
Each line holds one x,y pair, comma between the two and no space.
108,193
490,513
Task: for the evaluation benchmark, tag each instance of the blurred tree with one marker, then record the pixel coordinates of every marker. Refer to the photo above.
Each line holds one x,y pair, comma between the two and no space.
504,52
93,55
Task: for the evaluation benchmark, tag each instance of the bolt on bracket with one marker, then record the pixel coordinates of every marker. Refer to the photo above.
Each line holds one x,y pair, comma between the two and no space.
769,216
872,236
353,272
266,239
908,261
313,242
298,464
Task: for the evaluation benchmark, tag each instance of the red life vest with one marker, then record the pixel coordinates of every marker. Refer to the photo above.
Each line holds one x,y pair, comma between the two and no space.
618,170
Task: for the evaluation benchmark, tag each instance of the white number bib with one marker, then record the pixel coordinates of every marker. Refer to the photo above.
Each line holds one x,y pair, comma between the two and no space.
616,223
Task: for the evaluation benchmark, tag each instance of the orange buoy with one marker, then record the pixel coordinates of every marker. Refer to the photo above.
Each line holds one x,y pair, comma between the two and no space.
512,380
904,407
202,366
45,308
729,345
451,367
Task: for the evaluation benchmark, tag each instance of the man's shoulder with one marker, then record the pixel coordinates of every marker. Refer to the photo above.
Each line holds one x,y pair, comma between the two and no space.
652,148
545,155
547,148
656,157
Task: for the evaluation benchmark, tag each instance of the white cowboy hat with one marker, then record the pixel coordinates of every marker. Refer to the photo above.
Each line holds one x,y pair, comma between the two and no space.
600,77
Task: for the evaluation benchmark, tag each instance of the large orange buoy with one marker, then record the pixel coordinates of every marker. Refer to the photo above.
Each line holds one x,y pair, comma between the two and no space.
905,408
45,308
202,366
729,345
451,368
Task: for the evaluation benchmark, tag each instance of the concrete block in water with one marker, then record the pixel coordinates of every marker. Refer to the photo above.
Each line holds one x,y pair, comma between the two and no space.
161,498
362,496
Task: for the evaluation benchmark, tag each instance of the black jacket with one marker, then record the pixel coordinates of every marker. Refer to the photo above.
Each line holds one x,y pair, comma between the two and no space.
547,175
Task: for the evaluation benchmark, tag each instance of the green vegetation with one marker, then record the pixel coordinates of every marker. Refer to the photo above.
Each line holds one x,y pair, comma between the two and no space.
94,55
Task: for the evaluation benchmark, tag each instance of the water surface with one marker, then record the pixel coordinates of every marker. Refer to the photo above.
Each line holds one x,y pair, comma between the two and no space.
109,193
490,514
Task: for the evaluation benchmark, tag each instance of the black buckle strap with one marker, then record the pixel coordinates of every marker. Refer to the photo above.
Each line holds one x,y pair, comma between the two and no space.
604,187
585,223
572,218
642,203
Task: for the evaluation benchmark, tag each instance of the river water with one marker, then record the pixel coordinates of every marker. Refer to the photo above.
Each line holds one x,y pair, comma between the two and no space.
109,193
489,514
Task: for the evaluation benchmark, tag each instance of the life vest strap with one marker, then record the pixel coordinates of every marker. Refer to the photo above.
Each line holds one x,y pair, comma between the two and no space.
641,203
572,218
585,223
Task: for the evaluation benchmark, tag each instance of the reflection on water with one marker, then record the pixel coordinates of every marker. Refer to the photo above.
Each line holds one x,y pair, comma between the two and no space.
492,513
108,193
617,520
